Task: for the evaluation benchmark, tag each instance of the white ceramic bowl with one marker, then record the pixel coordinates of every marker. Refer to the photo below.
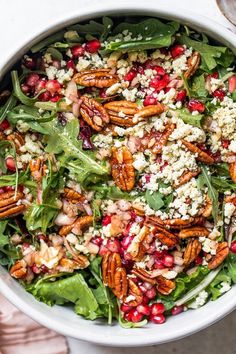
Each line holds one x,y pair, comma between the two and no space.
62,319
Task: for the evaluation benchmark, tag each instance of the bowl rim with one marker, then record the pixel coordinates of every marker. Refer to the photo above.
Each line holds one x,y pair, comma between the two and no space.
88,12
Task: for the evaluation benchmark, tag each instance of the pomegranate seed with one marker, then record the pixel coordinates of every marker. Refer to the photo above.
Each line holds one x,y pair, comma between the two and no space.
233,247
70,64
157,308
157,319
9,188
130,75
102,93
144,309
142,288
32,79
2,191
160,84
56,98
4,125
177,50
103,250
45,96
168,260
225,143
52,86
195,105
159,264
198,260
151,293
25,89
214,75
93,46
181,95
40,85
147,285
128,316
145,300
126,241
149,100
77,51
164,51
125,308
25,246
10,164
159,70
97,241
113,245
29,63
232,83
44,268
42,237
136,316
177,310
220,94
106,220
35,269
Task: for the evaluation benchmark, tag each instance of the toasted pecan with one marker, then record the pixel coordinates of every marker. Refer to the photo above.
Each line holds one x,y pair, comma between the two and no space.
140,244
93,113
192,251
186,177
207,210
9,204
162,138
165,286
73,196
166,237
122,169
173,223
143,275
38,169
222,252
202,156
99,78
194,231
134,291
80,223
193,63
232,171
19,269
17,139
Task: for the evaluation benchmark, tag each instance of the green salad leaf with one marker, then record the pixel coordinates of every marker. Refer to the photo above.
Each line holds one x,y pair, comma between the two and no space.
10,103
215,285
8,252
47,41
148,34
198,88
95,28
103,191
18,92
188,118
156,200
231,266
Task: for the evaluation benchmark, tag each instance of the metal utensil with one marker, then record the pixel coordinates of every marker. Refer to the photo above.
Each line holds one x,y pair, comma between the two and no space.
228,9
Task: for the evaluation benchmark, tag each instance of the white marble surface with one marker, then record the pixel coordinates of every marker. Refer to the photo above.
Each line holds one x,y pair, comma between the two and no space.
19,20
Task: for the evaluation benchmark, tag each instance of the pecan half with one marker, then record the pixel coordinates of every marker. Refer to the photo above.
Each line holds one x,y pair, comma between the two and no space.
164,286
232,171
139,244
202,156
195,231
79,224
38,169
166,237
9,204
162,138
93,113
186,177
173,223
73,196
70,265
122,169
192,251
99,78
222,252
19,269
193,63
143,275
134,291
149,111
120,283
207,211
17,139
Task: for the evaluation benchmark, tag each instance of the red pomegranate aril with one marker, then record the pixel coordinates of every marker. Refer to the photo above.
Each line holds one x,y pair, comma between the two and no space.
195,105
93,46
144,309
157,308
126,242
147,285
10,164
32,79
136,316
128,316
225,143
160,84
125,308
198,260
102,93
130,75
25,89
35,269
113,245
146,300
44,268
142,288
159,264
151,293
159,70
56,98
2,191
25,246
29,63
157,319
45,96
4,125
52,86
77,51
40,85
177,310
103,250
8,188
168,260
220,94
232,83
233,247
70,64
106,220
149,100
97,241
42,237
177,50
181,95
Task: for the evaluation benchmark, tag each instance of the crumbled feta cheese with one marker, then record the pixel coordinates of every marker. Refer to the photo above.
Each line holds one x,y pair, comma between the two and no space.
225,286
139,161
229,211
199,301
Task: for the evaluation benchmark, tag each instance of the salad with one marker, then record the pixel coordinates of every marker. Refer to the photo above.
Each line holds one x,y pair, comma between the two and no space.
118,170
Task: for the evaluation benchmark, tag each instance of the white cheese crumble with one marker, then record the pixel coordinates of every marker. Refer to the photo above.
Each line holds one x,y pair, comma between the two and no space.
199,301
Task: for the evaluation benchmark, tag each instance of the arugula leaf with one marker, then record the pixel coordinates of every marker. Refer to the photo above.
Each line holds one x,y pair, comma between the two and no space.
231,265
205,179
23,178
18,92
188,118
8,253
154,33
157,200
64,140
214,287
95,28
211,56
47,41
223,184
10,103
103,191
198,88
